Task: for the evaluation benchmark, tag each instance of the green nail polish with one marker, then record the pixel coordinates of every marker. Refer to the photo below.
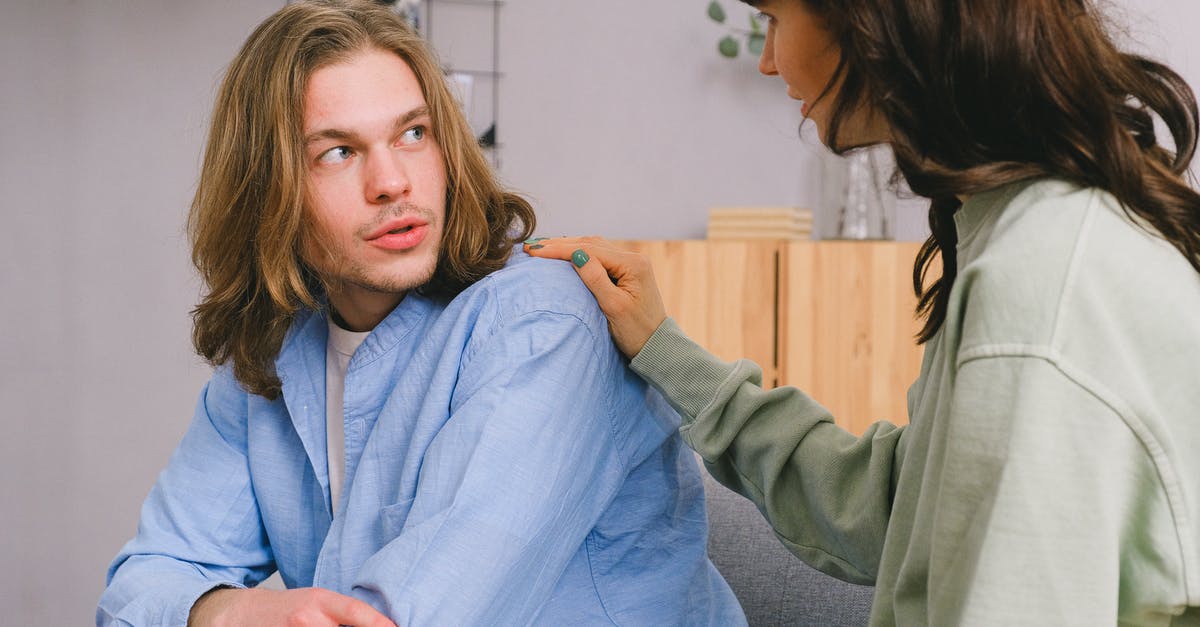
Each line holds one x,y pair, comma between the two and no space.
534,240
579,258
536,247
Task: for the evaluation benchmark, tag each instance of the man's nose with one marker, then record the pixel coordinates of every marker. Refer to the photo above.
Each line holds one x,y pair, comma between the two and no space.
386,178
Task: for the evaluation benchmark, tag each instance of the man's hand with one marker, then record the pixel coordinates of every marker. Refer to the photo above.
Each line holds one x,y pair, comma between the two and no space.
304,607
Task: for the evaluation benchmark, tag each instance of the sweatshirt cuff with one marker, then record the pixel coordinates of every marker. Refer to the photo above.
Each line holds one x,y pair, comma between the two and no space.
687,374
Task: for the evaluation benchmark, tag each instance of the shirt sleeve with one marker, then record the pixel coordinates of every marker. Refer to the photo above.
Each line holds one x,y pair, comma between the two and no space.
199,527
513,483
1049,504
826,493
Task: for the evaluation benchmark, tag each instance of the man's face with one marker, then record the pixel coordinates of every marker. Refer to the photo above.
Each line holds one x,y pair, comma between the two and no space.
376,182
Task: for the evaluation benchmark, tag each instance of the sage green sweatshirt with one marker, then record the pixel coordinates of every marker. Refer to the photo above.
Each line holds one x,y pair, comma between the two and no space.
1050,471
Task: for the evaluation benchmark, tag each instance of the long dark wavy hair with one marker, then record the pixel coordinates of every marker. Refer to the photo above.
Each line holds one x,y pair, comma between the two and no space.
979,93
247,219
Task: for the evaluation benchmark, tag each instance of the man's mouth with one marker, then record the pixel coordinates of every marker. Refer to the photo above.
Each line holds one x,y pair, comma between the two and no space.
399,226
400,237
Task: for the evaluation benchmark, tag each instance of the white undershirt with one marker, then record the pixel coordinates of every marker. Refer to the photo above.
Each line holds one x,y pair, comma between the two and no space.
338,351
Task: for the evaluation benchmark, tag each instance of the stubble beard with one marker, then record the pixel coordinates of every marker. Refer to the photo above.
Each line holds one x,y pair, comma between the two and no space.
343,270
357,275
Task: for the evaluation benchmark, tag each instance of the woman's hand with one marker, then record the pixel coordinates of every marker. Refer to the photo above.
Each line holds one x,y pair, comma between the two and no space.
622,282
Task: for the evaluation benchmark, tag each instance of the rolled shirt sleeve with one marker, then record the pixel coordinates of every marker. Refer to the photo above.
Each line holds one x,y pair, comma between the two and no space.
199,527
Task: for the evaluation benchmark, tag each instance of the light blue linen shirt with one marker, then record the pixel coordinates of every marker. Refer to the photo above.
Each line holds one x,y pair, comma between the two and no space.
503,467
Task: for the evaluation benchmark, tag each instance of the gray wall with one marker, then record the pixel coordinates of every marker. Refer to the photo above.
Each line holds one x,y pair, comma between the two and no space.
642,145
620,119
102,117
617,118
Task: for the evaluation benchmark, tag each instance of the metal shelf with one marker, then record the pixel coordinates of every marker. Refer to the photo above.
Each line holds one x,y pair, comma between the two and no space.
493,74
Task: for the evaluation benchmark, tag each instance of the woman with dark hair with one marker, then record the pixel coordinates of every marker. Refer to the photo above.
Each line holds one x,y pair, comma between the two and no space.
1048,472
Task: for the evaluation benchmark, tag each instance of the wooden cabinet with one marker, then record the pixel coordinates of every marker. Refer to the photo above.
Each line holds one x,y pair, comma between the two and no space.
834,318
722,293
847,332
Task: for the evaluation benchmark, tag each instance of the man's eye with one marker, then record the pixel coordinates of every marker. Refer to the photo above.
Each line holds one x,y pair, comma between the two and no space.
413,135
334,155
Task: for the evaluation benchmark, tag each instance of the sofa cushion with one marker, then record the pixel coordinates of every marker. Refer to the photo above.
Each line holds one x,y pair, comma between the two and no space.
774,586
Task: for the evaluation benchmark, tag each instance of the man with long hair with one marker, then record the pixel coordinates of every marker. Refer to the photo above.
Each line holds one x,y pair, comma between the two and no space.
409,421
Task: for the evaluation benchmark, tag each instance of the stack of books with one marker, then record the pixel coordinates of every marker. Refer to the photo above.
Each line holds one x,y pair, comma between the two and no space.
760,223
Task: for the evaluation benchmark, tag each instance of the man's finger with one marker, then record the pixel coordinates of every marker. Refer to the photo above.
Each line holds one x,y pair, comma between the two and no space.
351,611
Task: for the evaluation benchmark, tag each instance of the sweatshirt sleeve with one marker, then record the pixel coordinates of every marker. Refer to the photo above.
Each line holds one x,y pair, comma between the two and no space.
826,493
1052,502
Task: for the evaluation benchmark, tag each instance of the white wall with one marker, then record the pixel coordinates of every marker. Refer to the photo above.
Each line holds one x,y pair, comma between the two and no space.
625,121
618,118
102,116
1164,30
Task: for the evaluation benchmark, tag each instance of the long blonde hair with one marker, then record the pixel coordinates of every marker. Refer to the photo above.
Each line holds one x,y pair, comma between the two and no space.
247,218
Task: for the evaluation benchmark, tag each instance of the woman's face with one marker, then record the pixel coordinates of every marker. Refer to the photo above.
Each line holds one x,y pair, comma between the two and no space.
802,51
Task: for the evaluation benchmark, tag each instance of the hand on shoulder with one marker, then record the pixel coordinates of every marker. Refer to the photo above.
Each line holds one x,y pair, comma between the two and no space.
622,282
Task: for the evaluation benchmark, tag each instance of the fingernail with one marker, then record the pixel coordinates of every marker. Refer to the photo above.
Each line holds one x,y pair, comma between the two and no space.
536,247
579,258
534,240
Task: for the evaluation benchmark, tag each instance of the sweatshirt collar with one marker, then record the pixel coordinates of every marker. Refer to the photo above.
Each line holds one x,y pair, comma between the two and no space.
985,207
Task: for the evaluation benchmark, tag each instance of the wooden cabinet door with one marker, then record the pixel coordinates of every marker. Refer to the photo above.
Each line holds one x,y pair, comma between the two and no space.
847,327
722,294
834,319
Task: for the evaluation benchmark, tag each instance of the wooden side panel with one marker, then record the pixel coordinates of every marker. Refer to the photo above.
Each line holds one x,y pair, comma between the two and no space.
723,294
832,318
847,327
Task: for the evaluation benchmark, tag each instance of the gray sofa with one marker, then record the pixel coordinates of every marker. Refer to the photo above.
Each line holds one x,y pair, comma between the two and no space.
773,586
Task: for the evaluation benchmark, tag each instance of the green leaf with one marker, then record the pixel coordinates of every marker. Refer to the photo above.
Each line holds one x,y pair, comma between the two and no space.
755,24
716,11
755,43
728,47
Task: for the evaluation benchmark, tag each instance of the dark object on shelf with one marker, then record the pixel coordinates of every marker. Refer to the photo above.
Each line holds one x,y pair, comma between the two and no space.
485,71
488,139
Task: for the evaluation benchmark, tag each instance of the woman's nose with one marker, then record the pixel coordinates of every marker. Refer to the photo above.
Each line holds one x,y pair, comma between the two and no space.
766,61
